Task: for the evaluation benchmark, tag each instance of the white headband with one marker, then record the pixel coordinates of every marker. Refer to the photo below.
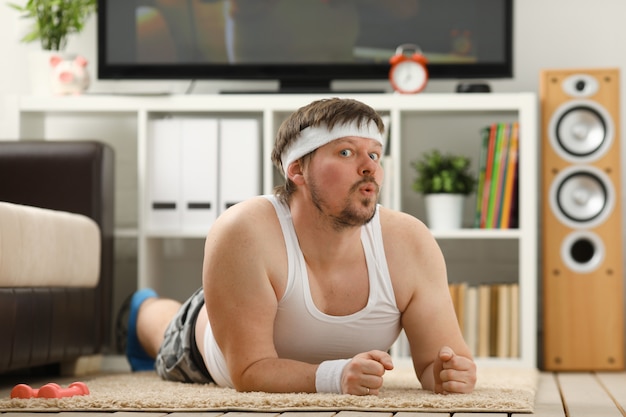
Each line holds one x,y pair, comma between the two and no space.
312,138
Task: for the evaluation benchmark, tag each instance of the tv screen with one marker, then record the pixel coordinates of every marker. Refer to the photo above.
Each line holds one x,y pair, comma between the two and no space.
302,43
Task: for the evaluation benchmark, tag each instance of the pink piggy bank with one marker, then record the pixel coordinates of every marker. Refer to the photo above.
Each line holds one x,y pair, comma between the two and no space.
69,76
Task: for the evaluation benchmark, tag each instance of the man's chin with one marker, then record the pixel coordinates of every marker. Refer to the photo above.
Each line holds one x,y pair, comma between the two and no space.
357,217
369,210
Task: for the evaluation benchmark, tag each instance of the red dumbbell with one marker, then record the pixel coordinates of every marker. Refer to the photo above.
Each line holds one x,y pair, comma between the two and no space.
50,390
54,391
25,391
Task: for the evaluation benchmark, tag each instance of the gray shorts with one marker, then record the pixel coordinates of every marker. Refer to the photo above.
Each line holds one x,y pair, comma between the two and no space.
178,358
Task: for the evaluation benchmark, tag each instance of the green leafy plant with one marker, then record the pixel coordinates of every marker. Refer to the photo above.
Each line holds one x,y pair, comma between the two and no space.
55,20
443,173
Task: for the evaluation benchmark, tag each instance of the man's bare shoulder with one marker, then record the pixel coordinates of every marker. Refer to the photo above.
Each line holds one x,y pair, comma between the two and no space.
247,221
397,224
246,245
406,235
242,215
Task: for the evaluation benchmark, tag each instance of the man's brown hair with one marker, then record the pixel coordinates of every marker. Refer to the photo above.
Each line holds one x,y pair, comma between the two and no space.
325,112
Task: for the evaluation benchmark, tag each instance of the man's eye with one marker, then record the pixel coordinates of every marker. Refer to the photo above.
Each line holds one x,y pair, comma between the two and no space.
374,156
346,152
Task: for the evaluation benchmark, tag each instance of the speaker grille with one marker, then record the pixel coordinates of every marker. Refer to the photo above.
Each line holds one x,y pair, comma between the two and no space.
582,196
581,131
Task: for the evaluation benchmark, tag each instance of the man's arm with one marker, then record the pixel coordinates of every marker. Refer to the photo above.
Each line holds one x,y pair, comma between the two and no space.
442,359
244,260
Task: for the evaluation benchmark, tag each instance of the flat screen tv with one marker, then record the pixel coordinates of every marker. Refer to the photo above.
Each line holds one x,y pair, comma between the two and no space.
304,44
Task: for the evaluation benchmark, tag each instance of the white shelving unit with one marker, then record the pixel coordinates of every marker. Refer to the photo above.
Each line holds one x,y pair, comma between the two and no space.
417,123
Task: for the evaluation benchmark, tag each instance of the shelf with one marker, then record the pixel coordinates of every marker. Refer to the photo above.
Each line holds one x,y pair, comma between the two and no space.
272,102
126,233
162,255
175,234
478,234
439,234
490,362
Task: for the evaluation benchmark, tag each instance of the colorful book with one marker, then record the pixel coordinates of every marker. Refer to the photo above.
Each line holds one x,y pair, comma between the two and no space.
511,177
488,173
514,321
501,176
514,217
484,320
482,166
470,328
495,173
493,317
504,321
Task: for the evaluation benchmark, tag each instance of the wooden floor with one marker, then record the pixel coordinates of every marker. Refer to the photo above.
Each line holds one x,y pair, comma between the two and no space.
562,395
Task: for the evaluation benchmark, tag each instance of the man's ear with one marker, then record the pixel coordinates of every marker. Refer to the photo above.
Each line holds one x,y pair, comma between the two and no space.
294,172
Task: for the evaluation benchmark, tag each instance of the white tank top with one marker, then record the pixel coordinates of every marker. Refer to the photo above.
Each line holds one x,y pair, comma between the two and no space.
302,332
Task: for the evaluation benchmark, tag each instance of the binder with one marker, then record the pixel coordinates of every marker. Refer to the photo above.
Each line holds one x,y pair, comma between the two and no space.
240,161
164,174
197,168
199,152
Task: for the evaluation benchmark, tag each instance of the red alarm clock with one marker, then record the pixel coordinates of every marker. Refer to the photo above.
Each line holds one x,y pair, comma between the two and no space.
408,73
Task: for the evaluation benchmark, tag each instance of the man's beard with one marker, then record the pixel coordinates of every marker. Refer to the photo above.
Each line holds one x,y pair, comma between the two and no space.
349,216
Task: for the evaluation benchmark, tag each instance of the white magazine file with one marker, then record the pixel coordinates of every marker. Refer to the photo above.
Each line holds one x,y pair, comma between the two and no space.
199,153
240,161
164,174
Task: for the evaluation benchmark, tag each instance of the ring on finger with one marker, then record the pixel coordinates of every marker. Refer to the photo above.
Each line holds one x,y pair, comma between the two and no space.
368,391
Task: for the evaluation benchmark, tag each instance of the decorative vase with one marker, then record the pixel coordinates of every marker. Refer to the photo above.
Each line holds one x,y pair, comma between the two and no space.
39,72
444,211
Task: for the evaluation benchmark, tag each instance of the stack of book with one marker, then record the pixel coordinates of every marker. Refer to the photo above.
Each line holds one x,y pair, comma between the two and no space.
496,195
488,316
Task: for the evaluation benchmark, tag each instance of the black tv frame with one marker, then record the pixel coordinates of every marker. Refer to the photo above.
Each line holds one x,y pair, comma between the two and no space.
291,77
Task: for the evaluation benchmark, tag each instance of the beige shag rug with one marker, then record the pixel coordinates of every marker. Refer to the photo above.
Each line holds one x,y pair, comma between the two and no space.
498,390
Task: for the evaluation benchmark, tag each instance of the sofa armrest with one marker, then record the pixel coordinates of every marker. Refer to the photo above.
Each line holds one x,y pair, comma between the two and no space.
47,248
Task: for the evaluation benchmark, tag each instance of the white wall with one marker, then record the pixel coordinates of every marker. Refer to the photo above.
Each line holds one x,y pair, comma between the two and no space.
548,34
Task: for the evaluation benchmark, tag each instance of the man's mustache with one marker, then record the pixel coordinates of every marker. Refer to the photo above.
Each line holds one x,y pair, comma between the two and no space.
365,181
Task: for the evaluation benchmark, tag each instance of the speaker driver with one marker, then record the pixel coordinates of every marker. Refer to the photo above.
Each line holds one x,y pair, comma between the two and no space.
581,131
580,85
582,251
581,196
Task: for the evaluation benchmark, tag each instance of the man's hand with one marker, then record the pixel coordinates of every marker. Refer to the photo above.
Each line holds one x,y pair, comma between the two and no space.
453,373
363,375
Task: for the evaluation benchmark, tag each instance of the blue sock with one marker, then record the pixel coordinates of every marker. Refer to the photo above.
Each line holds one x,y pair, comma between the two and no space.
137,357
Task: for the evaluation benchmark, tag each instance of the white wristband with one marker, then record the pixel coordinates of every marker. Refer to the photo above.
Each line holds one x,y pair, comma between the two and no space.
328,376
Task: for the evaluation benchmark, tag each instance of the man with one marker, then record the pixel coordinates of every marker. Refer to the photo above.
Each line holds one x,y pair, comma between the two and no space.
307,289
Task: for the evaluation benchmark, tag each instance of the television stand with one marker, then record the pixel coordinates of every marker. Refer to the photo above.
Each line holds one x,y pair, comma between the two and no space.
305,86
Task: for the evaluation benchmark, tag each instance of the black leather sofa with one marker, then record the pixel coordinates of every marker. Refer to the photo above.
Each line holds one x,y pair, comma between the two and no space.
45,326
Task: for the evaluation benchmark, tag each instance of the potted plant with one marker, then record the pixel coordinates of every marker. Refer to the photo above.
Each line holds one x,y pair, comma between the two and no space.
445,180
53,22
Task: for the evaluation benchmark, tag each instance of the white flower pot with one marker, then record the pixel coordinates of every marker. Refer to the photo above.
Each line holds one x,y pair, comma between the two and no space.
444,211
39,72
